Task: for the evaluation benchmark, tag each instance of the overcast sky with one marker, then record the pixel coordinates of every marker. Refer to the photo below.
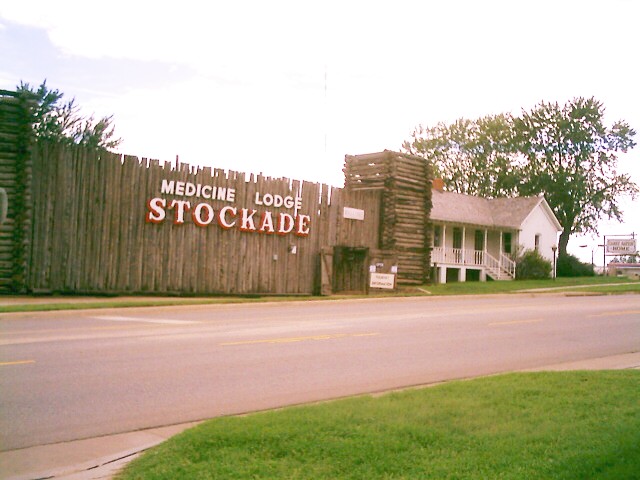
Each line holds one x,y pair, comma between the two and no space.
288,88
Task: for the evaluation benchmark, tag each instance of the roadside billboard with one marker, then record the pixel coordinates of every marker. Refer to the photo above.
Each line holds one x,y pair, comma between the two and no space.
621,246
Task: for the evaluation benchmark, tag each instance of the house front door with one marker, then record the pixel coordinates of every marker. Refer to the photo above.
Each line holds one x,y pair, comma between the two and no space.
457,237
457,244
478,244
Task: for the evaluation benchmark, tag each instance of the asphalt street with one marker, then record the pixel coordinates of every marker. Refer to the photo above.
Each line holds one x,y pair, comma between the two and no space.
72,375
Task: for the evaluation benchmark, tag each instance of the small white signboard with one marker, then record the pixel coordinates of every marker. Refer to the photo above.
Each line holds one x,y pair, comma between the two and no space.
383,280
353,213
621,246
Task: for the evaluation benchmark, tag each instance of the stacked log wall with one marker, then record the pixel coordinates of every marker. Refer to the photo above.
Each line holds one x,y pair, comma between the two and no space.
404,182
15,170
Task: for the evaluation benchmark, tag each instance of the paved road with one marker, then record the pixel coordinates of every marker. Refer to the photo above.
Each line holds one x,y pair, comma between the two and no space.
65,376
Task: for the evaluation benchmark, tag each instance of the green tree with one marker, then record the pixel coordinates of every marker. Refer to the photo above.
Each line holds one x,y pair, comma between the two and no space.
628,259
571,157
565,153
55,120
476,157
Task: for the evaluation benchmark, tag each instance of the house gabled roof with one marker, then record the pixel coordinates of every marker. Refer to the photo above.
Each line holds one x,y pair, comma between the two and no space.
489,212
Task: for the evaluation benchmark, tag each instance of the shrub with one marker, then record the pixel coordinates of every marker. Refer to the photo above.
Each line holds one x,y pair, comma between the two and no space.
571,266
532,266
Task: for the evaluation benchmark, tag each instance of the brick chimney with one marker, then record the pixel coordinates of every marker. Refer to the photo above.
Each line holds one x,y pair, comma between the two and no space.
438,184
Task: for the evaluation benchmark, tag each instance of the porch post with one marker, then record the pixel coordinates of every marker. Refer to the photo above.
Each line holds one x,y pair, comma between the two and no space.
442,274
444,244
464,241
500,250
462,274
486,246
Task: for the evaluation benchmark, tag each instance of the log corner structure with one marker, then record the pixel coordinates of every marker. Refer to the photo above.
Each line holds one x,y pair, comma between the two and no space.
404,182
16,195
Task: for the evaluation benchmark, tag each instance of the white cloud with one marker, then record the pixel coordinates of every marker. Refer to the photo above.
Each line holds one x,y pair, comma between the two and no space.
250,89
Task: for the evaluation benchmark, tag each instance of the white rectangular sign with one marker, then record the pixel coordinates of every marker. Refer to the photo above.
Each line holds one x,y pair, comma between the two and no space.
353,213
621,246
383,280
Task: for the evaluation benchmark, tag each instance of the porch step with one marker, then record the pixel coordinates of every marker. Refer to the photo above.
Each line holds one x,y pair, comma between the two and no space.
500,278
499,274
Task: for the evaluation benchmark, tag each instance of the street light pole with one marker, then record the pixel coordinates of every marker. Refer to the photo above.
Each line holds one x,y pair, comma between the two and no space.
593,249
555,249
604,256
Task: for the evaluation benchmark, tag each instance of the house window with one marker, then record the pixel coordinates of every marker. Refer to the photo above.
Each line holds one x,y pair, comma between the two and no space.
479,241
506,242
537,243
457,237
437,236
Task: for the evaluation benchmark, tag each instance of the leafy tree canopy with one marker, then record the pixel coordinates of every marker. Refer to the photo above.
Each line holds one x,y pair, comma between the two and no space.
571,157
626,259
475,157
566,153
60,121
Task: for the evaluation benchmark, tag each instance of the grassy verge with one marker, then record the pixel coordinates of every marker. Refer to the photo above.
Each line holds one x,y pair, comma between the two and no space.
115,302
579,284
612,289
566,425
585,284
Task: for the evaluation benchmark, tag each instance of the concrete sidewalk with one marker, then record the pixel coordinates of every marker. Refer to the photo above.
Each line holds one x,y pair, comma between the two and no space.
94,458
103,457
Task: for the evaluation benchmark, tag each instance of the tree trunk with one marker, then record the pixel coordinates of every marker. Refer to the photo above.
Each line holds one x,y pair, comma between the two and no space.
564,240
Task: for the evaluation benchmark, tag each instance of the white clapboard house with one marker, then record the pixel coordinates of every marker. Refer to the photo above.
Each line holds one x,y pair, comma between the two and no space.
476,238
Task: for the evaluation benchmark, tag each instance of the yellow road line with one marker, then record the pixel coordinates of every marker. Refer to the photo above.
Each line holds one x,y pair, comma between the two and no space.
298,339
125,327
516,322
615,314
79,329
19,362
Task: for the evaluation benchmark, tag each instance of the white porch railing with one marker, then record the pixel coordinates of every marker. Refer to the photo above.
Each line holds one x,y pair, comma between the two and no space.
508,265
500,269
457,256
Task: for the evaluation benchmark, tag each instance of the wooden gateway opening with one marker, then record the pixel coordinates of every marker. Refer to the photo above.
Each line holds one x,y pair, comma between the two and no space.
350,269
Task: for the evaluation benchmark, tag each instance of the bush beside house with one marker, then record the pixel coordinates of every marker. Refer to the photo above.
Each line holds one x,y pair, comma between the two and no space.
532,266
571,266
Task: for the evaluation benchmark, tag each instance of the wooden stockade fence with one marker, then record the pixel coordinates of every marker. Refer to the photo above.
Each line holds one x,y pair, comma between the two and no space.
89,221
91,233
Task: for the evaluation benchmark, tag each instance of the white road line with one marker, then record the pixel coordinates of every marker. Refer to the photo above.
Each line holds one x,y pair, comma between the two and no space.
165,321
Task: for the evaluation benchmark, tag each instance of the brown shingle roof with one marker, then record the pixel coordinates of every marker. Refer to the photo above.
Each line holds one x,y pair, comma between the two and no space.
467,209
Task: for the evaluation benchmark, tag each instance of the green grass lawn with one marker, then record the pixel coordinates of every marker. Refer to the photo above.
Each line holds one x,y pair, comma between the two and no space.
578,284
563,425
